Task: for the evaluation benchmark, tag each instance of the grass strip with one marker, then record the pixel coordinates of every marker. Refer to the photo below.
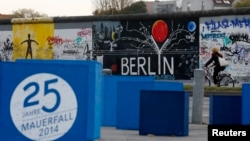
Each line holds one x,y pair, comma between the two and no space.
214,88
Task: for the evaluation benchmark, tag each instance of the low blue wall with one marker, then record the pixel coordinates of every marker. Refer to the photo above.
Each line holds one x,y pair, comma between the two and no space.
246,103
224,109
110,95
128,100
50,100
164,113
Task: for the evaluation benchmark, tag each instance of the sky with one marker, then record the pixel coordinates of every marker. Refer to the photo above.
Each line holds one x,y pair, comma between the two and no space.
51,8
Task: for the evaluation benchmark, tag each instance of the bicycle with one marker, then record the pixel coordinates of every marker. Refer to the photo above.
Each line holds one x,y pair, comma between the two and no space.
224,78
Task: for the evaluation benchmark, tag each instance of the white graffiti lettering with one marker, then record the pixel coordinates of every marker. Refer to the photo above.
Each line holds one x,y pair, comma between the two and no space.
142,66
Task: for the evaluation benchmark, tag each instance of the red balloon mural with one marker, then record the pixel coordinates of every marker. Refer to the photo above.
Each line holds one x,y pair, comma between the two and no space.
160,31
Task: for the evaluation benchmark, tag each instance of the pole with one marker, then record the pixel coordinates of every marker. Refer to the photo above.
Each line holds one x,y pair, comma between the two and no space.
198,95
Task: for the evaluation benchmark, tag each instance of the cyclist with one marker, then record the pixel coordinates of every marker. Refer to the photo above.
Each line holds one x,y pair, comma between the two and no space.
217,68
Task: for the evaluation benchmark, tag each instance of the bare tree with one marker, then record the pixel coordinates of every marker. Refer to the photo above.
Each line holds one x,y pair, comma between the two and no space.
106,5
27,13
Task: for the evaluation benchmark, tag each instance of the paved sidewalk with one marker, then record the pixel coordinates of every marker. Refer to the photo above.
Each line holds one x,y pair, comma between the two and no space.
197,132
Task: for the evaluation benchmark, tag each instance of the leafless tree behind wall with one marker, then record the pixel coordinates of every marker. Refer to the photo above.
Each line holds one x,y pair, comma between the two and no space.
104,5
27,13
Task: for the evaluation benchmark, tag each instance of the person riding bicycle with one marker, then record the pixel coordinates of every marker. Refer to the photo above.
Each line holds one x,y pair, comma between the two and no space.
217,68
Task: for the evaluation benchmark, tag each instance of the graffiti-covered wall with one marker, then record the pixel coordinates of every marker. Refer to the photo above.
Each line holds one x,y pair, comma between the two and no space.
6,43
167,46
163,48
231,35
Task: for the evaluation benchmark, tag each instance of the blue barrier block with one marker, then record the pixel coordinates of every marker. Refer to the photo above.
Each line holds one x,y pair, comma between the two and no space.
164,85
245,103
110,96
50,100
225,109
128,100
128,104
164,113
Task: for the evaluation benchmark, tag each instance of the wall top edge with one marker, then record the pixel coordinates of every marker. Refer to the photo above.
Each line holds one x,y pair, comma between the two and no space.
174,15
32,20
4,21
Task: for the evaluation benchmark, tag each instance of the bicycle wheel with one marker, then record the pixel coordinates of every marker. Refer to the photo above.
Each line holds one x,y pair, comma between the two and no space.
227,81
